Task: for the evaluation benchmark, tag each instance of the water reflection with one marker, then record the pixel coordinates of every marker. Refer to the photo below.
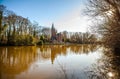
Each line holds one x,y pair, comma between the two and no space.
14,60
55,50
83,49
107,67
17,62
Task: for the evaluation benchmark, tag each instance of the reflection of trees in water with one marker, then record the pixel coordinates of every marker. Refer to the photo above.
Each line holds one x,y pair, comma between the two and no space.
52,51
45,52
108,67
55,50
83,49
64,72
14,60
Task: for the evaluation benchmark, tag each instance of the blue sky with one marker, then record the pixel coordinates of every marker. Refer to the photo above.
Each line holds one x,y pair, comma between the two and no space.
66,14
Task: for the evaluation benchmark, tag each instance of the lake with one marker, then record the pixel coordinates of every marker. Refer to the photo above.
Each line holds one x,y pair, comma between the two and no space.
59,62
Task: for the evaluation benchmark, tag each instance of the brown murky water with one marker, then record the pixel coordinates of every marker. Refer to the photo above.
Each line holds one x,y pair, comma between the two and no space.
58,62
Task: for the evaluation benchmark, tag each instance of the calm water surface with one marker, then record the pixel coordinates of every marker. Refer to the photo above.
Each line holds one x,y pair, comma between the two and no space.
58,62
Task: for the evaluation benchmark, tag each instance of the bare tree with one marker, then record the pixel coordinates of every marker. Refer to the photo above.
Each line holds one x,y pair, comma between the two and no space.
46,32
107,15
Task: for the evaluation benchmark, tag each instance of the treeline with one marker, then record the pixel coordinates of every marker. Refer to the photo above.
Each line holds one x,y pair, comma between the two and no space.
17,30
79,37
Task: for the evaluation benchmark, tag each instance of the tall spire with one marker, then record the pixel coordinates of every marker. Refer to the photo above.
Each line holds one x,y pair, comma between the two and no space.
52,25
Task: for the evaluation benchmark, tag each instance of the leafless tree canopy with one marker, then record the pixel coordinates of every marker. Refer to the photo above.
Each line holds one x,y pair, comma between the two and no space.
107,12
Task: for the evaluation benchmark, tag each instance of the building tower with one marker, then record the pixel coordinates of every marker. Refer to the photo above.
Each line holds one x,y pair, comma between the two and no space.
53,33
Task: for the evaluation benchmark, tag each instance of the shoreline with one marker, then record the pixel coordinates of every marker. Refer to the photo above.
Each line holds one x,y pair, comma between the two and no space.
55,44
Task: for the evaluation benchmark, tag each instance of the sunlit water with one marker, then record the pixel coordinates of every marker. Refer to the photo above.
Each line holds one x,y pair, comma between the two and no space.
58,62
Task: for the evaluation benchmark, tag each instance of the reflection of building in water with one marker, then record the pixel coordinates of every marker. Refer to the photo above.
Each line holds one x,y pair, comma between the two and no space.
56,50
14,60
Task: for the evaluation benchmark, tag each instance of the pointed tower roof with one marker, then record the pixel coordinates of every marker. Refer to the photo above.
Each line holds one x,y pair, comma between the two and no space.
52,25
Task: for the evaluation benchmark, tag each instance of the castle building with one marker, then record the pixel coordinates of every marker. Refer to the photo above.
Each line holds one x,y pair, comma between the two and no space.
53,33
55,37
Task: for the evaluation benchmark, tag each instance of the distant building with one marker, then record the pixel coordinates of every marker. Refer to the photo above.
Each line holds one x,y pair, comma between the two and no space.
59,37
53,33
55,37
